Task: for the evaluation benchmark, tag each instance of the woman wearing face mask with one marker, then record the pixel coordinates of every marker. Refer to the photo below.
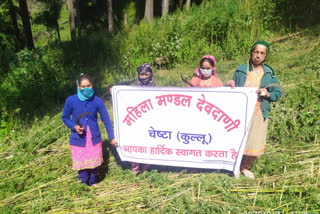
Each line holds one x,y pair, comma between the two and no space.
85,139
206,73
145,79
145,75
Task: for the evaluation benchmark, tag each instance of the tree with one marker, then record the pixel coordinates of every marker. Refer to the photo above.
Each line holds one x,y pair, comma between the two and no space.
71,19
50,16
13,16
110,16
181,4
165,7
188,4
148,12
77,17
24,13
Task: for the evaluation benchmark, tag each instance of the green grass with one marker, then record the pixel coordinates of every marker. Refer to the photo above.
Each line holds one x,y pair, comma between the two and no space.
35,160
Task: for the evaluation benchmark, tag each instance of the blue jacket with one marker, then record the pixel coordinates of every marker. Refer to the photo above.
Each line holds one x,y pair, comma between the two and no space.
74,107
269,77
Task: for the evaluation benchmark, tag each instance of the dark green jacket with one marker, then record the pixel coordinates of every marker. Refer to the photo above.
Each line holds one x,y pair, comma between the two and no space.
269,77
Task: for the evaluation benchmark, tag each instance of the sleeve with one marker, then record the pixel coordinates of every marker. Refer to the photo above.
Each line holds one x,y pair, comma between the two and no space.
240,76
239,82
235,79
234,76
67,111
105,119
275,93
219,83
194,81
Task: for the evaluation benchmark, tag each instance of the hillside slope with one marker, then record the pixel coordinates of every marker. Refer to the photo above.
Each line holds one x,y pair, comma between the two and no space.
36,174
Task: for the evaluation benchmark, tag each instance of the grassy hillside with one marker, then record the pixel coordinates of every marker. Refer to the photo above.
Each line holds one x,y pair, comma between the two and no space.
35,161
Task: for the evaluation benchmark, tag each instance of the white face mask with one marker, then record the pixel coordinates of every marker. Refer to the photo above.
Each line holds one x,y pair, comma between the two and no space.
206,72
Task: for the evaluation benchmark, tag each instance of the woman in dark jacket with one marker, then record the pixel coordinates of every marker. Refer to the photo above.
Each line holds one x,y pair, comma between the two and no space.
257,74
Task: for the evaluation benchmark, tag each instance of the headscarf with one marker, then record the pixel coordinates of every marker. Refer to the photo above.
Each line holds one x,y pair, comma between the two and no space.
213,70
144,69
261,42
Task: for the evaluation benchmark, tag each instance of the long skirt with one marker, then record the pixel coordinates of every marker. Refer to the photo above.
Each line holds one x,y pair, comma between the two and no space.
88,157
257,136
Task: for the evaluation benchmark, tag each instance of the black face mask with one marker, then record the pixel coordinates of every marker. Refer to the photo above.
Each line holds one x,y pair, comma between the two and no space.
145,81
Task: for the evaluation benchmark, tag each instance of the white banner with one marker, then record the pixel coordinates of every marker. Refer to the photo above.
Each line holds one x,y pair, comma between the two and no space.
186,127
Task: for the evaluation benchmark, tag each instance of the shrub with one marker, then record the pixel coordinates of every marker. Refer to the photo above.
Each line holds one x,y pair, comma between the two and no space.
222,28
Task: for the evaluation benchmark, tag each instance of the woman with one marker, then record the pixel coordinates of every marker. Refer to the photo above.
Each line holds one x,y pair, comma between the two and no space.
206,73
144,79
257,74
85,138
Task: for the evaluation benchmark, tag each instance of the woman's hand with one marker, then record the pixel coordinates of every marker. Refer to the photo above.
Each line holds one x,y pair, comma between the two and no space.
263,92
231,83
114,143
78,129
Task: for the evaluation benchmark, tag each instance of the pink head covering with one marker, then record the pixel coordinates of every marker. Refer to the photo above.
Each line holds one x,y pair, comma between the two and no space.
213,70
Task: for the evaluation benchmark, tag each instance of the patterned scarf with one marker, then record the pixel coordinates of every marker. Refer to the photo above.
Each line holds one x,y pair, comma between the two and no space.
144,69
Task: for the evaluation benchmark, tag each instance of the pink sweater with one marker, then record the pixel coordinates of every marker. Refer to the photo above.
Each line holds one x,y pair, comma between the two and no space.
211,82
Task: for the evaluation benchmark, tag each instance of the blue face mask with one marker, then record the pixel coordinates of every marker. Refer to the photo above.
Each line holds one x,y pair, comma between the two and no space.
85,94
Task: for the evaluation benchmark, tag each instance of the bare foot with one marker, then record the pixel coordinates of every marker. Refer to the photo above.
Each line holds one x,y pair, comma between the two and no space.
236,174
248,174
